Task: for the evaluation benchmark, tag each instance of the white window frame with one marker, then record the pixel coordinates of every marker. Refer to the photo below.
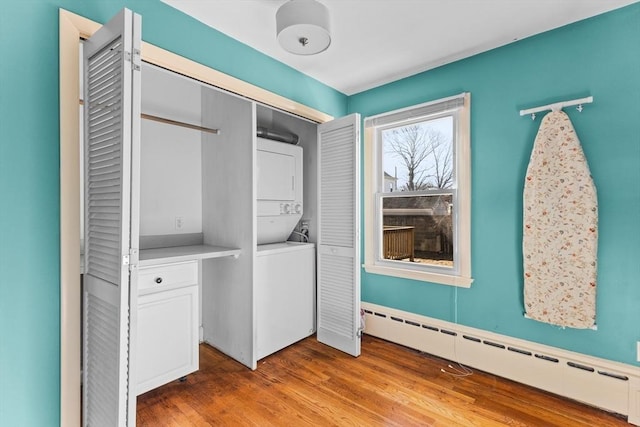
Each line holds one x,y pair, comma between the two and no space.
460,275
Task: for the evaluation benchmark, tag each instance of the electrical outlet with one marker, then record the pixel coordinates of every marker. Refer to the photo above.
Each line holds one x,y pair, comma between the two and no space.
179,222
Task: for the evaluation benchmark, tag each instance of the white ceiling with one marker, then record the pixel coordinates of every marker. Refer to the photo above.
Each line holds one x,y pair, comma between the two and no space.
379,41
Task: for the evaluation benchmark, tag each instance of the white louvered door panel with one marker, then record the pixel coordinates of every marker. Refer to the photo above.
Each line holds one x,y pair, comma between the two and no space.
339,234
111,117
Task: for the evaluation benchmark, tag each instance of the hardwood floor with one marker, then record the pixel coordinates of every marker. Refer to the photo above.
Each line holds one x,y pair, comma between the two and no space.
388,385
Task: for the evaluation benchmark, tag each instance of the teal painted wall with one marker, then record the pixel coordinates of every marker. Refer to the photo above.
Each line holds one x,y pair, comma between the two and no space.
29,174
596,57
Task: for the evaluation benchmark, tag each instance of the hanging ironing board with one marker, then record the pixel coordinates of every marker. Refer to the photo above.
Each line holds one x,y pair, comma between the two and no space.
560,233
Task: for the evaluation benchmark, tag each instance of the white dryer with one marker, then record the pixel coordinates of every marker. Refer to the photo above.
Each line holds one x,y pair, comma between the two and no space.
279,190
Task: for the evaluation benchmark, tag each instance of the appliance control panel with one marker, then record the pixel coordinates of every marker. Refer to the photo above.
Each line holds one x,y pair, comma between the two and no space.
294,208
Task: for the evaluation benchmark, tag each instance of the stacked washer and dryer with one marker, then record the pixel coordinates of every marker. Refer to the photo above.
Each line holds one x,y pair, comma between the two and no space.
284,270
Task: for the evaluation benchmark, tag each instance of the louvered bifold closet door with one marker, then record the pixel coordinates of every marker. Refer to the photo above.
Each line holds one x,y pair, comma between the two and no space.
339,235
111,117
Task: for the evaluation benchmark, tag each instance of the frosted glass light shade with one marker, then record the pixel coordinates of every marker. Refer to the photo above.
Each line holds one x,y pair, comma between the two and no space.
303,27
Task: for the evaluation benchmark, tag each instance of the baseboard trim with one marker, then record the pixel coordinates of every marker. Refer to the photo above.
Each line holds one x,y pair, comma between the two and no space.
609,385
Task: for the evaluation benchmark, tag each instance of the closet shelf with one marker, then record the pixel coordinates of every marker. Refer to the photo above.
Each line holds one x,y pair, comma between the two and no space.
184,253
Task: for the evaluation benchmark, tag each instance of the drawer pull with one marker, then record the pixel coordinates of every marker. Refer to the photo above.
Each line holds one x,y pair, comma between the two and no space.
158,280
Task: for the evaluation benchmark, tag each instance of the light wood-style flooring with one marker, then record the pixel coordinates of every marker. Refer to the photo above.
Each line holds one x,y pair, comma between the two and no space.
310,384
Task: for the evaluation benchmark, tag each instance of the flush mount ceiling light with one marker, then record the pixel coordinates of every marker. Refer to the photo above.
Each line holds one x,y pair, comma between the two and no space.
303,27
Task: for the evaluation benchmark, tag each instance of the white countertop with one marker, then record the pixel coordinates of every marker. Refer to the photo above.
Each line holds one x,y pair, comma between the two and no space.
184,253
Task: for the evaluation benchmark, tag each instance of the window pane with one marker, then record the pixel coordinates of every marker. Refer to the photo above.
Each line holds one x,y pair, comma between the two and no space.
418,229
418,156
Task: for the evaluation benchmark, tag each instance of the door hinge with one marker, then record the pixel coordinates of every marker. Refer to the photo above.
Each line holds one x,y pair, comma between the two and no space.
360,330
133,258
134,58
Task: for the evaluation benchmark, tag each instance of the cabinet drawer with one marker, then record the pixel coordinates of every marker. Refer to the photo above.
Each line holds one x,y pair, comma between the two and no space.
167,276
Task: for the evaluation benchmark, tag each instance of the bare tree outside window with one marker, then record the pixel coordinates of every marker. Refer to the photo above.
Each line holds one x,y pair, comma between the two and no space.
418,228
422,152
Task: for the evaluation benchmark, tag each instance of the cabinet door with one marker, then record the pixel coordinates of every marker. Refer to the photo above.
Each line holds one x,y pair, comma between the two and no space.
112,140
339,234
167,337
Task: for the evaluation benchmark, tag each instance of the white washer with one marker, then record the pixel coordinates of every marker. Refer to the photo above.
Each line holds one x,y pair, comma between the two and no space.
285,291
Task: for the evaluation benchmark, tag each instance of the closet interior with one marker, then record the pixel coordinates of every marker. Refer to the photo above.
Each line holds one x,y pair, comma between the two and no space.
227,228
207,217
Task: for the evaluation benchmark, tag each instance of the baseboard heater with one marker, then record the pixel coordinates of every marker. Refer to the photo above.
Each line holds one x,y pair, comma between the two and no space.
598,382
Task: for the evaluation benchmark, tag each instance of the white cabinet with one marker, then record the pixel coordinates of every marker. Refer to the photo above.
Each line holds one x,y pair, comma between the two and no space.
167,338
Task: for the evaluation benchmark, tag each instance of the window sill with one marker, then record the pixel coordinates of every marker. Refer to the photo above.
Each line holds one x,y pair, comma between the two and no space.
442,279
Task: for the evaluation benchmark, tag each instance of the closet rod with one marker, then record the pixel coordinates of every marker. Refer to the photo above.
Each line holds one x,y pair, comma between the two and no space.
181,124
174,122
558,106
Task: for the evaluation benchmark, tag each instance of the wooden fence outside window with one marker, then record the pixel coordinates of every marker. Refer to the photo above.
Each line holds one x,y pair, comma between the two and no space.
398,242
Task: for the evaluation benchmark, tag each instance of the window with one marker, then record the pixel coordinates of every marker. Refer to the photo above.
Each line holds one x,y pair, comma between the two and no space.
417,192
